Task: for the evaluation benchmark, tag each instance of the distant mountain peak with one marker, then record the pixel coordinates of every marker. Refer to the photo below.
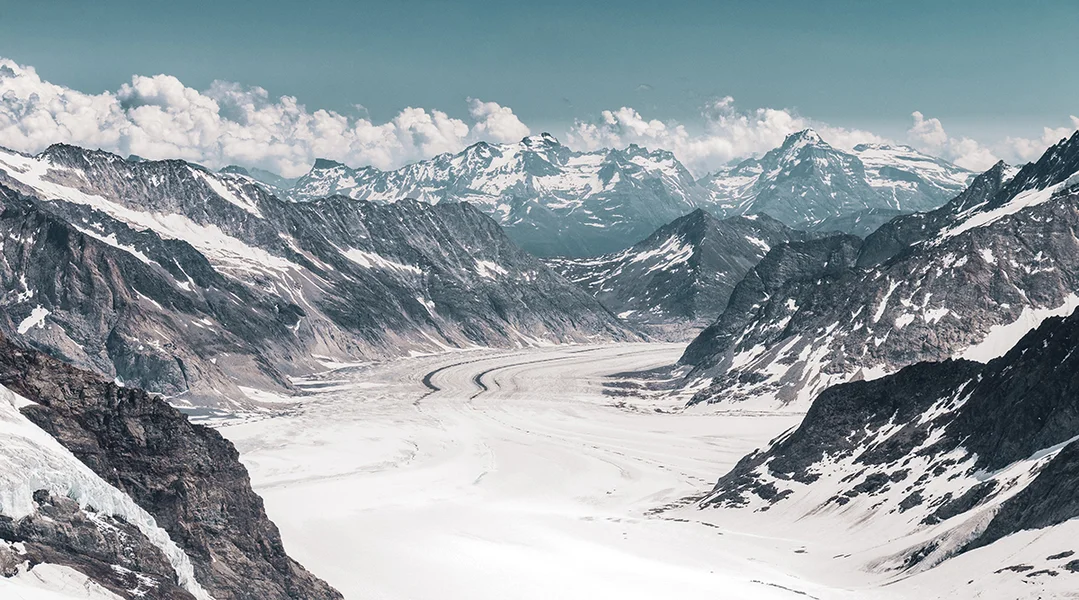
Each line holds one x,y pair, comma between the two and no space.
231,169
326,163
543,139
805,137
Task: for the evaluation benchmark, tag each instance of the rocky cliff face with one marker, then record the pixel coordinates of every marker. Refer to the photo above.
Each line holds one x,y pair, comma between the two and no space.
107,549
196,284
187,477
966,280
684,272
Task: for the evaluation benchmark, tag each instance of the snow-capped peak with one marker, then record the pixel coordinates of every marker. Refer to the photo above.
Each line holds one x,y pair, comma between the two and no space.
805,137
543,139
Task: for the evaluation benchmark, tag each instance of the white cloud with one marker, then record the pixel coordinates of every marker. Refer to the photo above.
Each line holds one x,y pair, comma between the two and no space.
496,122
160,117
728,133
929,135
1027,149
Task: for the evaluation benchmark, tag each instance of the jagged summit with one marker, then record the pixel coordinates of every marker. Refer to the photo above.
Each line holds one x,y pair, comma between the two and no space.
543,139
807,182
805,137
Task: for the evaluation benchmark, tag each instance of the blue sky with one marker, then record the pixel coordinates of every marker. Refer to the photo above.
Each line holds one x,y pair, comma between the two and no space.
986,69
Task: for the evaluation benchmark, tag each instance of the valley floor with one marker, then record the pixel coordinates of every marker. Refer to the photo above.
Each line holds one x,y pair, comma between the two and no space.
510,474
501,474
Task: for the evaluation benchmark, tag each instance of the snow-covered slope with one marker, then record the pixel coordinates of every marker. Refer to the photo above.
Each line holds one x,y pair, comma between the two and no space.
684,272
965,280
550,199
937,460
195,284
806,181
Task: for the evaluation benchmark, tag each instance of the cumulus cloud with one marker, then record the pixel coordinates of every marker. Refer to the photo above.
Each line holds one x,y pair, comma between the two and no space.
1028,149
929,135
160,117
496,122
728,133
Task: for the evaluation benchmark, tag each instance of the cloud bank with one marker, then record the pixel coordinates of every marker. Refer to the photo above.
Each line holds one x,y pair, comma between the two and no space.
728,133
928,134
160,117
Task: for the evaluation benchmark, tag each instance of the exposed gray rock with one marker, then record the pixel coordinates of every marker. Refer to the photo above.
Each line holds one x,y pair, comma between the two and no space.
685,271
956,421
106,549
186,476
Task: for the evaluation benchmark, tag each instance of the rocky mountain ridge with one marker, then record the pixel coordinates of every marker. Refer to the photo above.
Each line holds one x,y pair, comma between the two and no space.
806,182
946,458
550,199
555,201
966,280
197,284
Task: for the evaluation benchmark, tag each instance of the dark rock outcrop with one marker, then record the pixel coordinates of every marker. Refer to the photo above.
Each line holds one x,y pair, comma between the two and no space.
186,476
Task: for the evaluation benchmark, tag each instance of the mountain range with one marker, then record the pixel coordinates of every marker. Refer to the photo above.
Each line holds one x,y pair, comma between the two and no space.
198,285
550,199
933,462
555,201
806,182
965,280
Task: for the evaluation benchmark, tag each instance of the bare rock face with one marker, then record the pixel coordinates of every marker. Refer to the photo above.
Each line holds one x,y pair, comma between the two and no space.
186,476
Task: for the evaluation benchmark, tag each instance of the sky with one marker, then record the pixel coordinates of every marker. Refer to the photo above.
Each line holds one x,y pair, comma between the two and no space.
990,79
